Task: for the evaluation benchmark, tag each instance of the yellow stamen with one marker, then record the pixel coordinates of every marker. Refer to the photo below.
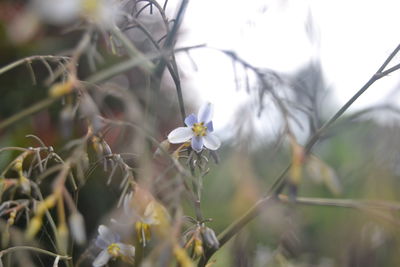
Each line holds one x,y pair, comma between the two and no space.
199,129
143,232
114,250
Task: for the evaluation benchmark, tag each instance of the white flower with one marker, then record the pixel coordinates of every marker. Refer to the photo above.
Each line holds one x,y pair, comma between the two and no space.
104,13
142,208
199,129
111,247
57,12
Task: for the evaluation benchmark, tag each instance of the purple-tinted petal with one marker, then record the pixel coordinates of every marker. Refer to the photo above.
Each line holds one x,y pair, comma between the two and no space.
210,127
211,142
108,236
127,250
102,258
127,203
180,135
197,143
206,113
101,243
190,120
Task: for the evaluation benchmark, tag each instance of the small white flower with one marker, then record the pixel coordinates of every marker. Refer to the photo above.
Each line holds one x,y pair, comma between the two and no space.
145,211
111,247
57,12
104,13
199,129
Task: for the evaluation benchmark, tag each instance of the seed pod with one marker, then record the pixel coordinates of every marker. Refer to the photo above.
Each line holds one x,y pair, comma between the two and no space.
210,238
77,226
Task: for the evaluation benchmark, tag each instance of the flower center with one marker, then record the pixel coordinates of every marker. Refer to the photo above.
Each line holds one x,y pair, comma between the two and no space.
114,250
143,232
199,129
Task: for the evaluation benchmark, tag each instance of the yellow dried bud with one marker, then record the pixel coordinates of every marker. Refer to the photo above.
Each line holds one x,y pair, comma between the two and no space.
18,165
298,157
182,257
34,226
198,247
11,219
60,89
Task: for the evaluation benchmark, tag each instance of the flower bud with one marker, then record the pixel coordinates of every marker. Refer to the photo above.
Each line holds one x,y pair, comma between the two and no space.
11,219
77,226
210,238
60,89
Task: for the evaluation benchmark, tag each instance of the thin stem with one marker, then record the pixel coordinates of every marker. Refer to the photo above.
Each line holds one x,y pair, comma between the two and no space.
39,250
28,111
133,52
343,203
27,60
197,193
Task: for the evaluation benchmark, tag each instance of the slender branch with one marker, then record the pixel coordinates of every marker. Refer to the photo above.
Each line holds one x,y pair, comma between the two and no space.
169,44
39,250
29,60
172,68
343,203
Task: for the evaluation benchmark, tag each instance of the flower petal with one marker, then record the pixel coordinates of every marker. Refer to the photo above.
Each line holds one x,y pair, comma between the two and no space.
102,258
106,235
211,142
127,250
180,135
197,143
210,126
190,120
206,113
101,243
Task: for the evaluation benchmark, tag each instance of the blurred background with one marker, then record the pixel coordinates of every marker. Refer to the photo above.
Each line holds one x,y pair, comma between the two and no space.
314,54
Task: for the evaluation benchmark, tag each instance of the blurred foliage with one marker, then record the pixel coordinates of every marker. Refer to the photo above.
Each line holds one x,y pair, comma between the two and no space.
363,154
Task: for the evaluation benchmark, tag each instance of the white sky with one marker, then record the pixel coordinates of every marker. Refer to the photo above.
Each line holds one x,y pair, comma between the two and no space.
353,39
